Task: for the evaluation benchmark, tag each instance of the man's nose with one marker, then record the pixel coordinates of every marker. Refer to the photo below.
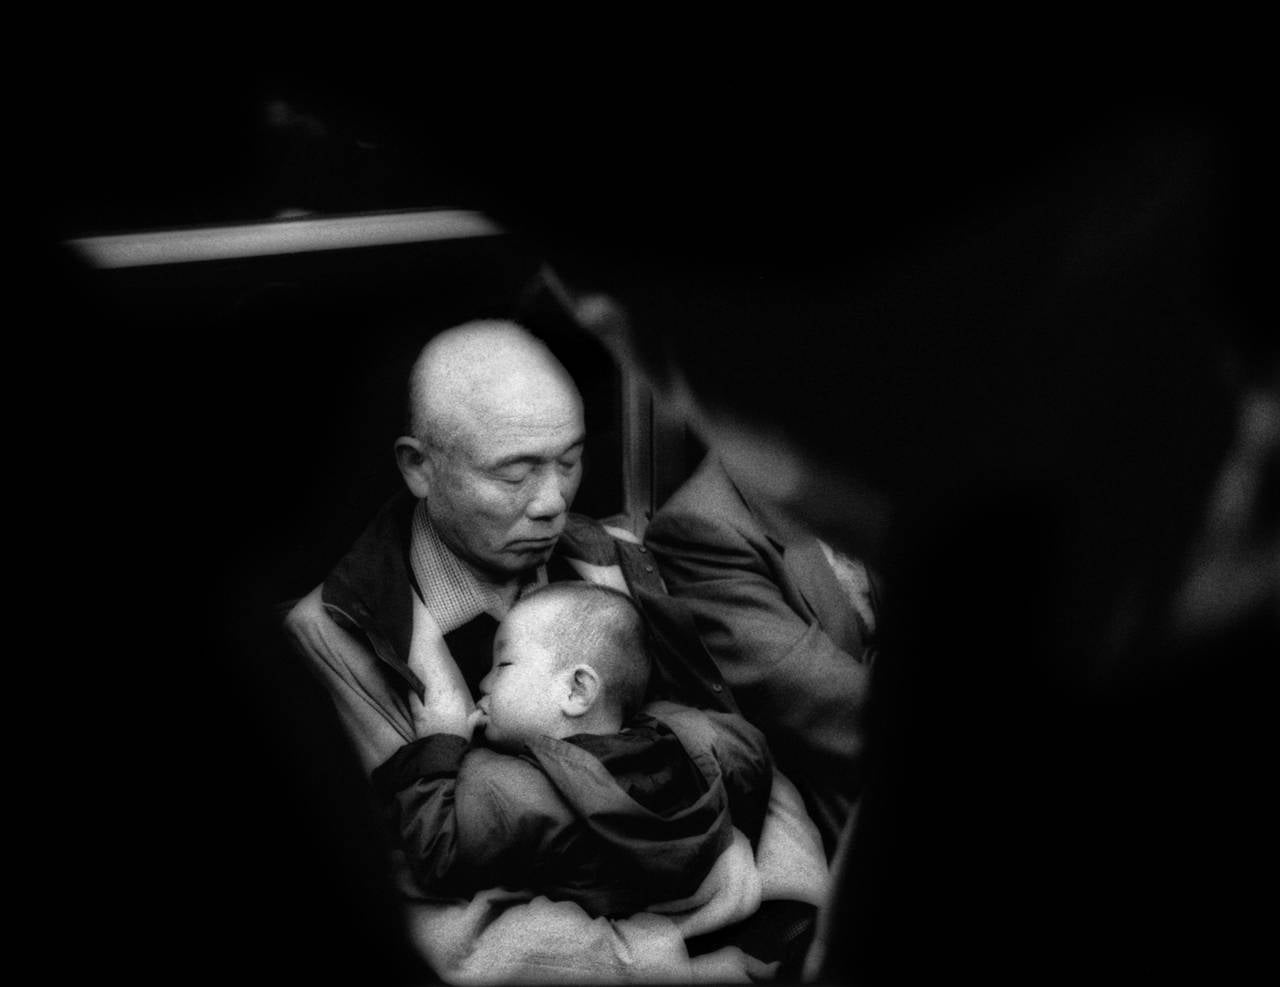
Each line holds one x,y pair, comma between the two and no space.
550,498
484,683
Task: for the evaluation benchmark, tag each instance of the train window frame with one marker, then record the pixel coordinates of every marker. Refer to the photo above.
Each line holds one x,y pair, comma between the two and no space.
654,443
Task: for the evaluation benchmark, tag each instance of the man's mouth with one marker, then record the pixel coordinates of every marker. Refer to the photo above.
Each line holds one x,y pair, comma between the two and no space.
534,544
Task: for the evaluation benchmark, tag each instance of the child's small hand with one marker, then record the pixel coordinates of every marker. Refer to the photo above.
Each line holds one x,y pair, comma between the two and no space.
444,711
446,705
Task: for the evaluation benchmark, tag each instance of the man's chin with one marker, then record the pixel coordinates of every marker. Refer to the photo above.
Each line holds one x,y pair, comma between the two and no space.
514,562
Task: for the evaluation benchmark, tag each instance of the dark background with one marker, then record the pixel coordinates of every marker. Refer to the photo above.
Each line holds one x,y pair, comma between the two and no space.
185,424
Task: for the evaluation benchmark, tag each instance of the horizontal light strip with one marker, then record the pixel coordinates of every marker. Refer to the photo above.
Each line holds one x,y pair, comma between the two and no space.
281,237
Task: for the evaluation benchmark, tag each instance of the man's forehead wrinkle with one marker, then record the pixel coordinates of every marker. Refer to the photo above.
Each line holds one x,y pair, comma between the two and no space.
504,394
525,421
511,423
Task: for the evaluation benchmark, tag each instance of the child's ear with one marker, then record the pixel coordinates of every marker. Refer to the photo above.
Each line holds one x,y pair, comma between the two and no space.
584,689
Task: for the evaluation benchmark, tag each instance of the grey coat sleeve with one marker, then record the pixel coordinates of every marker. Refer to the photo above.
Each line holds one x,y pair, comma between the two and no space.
788,676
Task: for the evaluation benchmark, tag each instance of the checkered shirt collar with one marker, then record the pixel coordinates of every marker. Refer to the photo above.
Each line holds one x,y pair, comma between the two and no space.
452,593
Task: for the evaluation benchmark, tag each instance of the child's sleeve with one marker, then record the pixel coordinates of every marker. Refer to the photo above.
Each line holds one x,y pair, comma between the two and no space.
417,785
467,818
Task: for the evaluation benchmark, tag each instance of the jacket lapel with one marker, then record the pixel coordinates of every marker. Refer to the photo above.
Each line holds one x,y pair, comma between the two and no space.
811,573
373,583
811,576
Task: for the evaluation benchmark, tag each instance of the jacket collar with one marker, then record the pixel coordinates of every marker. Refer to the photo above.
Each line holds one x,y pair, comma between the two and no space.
373,583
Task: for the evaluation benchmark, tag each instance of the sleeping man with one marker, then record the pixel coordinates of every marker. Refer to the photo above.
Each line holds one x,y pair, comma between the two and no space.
491,461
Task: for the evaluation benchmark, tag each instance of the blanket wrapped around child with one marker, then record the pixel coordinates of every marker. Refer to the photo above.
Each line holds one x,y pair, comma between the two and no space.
343,631
503,936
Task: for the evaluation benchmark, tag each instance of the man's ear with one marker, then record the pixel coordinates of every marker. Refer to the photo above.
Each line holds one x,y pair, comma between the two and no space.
415,465
584,689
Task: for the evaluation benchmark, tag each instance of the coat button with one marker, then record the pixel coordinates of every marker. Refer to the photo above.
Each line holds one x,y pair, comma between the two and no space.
643,549
648,568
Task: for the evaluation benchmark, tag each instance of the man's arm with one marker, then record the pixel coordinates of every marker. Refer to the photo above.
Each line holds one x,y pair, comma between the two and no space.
788,676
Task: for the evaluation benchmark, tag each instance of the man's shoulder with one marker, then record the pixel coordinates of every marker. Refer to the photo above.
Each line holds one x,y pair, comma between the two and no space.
708,486
706,506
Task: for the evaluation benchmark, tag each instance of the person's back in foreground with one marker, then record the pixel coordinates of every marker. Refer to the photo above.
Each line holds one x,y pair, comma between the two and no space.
580,794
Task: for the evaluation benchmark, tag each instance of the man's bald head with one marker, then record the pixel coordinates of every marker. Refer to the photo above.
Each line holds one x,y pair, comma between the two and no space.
466,374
